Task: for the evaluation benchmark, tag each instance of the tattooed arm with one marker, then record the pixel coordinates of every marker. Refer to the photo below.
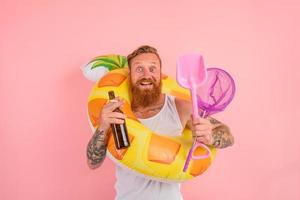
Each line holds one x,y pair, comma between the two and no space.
206,130
96,149
211,132
221,135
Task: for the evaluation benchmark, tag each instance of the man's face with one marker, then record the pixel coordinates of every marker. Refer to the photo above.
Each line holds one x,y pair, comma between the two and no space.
145,77
145,71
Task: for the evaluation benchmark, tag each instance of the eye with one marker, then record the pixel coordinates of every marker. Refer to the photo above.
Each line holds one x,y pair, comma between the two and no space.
152,69
139,69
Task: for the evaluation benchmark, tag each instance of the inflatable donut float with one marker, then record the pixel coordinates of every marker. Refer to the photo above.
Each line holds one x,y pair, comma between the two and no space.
152,155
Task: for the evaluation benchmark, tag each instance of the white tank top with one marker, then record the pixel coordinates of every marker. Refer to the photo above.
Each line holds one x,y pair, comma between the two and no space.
128,185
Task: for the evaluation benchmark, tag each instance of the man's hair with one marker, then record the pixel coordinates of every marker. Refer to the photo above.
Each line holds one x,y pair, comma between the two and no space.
140,50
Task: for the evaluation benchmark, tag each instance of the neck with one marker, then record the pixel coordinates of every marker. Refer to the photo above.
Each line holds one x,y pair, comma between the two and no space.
149,111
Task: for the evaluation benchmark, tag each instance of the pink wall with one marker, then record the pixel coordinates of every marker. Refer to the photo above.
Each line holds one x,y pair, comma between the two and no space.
43,122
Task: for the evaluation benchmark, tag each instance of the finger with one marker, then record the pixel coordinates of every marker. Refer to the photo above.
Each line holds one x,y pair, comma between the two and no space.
115,99
198,136
202,140
195,120
122,106
118,98
198,133
203,136
204,121
112,106
115,121
201,133
200,121
115,115
201,127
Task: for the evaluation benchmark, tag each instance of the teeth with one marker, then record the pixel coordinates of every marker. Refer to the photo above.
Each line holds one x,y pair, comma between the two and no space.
146,83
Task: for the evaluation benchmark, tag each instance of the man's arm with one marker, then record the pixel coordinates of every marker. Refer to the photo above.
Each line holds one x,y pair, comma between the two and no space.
96,149
97,146
221,135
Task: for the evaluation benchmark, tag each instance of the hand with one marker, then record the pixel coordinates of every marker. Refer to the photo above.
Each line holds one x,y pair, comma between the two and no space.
108,117
202,130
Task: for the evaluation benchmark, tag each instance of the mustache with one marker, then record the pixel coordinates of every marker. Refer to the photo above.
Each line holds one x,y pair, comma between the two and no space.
153,81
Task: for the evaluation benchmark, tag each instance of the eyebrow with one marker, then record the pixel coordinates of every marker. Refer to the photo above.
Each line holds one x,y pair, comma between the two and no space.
140,62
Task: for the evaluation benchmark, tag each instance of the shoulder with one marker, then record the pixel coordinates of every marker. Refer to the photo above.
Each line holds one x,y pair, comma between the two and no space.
184,109
183,105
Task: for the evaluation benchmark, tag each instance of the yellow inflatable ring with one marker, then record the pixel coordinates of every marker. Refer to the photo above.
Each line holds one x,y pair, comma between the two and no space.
150,154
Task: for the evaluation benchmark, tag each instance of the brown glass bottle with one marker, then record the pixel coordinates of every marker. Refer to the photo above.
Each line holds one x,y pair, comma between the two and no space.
119,130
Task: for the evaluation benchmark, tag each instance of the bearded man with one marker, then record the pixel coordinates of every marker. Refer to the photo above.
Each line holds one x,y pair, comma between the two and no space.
159,112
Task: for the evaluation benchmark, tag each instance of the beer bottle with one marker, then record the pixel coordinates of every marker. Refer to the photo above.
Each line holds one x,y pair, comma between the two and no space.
119,130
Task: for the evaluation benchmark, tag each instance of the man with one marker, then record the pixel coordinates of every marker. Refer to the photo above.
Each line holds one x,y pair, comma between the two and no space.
159,112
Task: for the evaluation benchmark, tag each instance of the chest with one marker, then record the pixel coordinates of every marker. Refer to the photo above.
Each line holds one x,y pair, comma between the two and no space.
148,112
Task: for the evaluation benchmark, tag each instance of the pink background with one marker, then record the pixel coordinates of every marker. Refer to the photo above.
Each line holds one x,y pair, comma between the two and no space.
43,94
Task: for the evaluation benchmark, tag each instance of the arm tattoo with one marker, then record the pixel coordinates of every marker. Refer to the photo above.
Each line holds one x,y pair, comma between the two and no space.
222,137
214,121
96,149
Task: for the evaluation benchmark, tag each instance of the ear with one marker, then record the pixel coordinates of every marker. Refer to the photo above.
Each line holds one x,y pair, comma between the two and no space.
128,77
129,72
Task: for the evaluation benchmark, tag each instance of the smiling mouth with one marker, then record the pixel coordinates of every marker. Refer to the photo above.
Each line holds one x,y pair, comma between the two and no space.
146,83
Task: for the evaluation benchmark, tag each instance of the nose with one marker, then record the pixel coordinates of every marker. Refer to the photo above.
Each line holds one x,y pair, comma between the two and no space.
146,73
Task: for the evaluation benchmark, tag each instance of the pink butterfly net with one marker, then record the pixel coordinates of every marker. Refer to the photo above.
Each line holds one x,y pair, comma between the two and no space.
213,96
216,93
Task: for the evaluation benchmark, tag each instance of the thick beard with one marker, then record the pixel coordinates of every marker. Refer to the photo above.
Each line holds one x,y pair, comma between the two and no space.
146,97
